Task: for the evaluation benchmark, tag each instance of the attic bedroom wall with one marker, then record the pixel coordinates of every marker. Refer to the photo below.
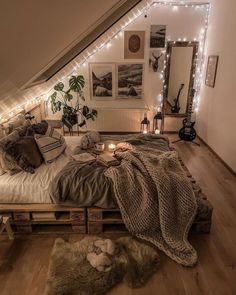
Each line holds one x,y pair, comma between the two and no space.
126,114
216,119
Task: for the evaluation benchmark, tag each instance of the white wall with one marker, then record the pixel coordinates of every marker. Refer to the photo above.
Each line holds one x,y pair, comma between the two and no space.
126,114
216,119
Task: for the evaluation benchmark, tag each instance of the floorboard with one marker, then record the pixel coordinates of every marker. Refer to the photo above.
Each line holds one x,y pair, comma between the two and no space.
24,261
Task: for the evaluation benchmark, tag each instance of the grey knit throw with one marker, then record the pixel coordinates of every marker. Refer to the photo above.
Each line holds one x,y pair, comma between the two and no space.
156,200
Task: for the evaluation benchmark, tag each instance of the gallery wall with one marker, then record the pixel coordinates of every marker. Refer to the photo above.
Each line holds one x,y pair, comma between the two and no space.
126,114
216,118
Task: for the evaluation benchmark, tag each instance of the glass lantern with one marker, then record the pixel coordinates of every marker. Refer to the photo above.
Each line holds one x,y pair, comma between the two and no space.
145,125
157,120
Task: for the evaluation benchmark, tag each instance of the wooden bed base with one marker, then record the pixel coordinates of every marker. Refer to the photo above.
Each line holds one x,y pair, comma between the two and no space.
65,220
89,220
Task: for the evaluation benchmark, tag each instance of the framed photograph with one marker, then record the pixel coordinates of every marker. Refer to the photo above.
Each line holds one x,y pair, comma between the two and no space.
130,80
211,70
156,60
157,36
134,44
102,81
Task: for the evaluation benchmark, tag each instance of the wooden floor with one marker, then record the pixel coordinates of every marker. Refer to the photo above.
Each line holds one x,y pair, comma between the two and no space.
24,261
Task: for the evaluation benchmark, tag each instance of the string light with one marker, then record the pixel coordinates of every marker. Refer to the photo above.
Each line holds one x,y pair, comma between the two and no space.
137,12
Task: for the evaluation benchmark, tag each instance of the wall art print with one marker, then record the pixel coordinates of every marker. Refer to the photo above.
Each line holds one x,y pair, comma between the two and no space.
129,80
156,60
102,81
134,42
157,36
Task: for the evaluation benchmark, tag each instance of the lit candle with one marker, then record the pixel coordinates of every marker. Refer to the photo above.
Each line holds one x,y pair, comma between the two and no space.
145,132
157,131
111,147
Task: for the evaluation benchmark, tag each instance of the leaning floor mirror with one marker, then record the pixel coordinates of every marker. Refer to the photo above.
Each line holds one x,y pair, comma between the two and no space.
179,76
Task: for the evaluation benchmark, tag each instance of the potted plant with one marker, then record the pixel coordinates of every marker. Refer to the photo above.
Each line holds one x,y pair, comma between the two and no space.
60,100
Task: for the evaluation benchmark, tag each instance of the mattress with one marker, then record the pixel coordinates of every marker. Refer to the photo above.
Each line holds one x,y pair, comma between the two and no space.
33,188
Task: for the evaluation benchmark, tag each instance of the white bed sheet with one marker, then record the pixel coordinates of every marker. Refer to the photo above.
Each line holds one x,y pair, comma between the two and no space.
33,188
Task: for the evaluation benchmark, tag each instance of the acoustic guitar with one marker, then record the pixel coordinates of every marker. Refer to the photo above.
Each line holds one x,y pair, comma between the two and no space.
176,107
187,132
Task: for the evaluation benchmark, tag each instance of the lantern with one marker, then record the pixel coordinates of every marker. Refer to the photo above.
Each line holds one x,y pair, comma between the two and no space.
157,123
145,125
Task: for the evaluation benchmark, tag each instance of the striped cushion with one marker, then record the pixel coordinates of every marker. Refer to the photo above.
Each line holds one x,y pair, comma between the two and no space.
51,145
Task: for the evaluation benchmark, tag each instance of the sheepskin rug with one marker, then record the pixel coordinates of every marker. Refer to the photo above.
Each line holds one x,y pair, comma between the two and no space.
94,265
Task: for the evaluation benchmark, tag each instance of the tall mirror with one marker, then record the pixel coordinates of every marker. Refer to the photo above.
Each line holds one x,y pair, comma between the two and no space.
179,75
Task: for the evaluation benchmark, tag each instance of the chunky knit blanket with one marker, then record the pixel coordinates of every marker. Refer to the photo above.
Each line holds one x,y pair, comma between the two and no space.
156,200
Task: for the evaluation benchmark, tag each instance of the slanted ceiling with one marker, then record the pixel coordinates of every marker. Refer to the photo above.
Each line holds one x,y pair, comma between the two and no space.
38,38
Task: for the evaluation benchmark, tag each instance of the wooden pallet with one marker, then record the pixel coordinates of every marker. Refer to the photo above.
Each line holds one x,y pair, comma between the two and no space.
67,219
110,220
104,221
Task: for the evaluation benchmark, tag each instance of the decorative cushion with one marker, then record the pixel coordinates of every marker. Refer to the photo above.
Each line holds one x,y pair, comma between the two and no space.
40,128
14,123
51,145
25,152
7,163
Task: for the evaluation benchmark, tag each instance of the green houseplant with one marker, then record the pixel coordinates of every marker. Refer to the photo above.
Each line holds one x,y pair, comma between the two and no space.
61,100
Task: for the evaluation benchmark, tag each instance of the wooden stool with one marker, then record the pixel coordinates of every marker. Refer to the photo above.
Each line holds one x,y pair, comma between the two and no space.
7,226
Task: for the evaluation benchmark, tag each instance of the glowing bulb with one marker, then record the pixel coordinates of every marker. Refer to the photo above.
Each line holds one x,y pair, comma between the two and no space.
175,8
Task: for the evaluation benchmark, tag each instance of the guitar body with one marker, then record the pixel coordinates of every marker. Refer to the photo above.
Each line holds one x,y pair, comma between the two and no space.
176,108
187,132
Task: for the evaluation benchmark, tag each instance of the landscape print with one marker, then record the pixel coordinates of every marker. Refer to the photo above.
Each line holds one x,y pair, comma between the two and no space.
102,76
157,36
130,80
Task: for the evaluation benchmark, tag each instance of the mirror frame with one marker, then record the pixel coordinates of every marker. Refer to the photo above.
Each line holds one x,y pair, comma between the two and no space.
170,45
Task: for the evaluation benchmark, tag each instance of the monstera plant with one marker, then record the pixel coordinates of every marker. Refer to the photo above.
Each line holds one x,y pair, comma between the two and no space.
61,99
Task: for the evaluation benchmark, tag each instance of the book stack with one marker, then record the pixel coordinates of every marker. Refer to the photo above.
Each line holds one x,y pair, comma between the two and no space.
107,160
43,216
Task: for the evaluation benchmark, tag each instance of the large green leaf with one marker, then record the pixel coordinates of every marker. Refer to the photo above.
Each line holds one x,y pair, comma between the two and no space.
59,86
76,83
68,96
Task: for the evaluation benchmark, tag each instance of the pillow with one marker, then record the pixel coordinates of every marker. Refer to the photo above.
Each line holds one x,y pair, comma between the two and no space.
25,152
23,129
39,128
51,145
7,163
14,123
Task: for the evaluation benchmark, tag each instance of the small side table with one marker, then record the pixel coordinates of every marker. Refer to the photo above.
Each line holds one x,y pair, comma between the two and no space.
7,226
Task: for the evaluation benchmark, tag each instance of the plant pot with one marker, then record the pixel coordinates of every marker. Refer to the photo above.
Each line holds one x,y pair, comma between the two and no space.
70,120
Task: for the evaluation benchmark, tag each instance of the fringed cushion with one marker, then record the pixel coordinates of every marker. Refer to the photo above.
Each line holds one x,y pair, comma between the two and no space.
51,145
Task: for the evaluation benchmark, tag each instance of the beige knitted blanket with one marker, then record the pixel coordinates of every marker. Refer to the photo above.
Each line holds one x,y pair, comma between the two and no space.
156,200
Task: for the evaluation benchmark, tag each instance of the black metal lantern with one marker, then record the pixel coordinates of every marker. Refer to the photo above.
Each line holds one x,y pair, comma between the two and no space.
145,125
157,123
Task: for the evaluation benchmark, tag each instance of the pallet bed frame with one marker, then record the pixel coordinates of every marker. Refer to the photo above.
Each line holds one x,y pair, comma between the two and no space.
87,220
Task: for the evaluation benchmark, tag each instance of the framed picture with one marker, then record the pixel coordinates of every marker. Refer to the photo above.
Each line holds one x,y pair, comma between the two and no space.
134,44
129,80
157,36
211,70
102,81
156,60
